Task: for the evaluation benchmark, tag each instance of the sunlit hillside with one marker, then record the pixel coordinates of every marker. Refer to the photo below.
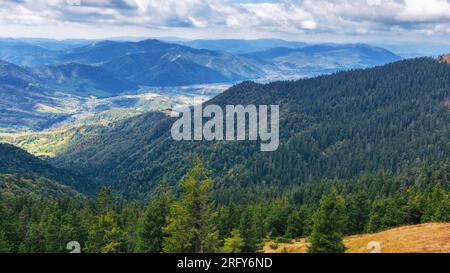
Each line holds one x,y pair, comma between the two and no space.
424,238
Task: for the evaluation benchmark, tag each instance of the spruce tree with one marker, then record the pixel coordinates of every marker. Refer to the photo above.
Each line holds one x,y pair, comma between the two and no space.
329,224
437,205
234,243
357,210
190,223
150,229
105,235
249,231
298,222
4,244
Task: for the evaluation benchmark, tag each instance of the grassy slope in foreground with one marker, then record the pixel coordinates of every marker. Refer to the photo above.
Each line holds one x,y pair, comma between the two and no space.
423,238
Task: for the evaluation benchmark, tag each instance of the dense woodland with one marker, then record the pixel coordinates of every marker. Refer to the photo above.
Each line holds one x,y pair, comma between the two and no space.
187,218
387,118
361,151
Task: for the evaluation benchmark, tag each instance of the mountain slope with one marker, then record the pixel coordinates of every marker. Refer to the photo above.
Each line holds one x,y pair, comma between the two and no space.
37,98
14,161
24,104
238,46
82,80
319,59
25,54
423,238
444,58
16,185
105,51
155,63
338,126
144,70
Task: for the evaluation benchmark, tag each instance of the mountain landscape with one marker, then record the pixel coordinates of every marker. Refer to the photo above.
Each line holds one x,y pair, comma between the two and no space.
60,81
21,165
239,46
424,238
362,131
322,59
329,121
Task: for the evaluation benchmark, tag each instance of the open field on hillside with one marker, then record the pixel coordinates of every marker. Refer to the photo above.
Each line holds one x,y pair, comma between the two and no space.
424,238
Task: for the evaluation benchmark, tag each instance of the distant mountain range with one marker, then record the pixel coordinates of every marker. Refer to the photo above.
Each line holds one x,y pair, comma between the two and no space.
240,46
42,80
323,59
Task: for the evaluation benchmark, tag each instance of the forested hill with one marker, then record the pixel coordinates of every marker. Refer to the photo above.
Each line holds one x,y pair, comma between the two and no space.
21,172
338,126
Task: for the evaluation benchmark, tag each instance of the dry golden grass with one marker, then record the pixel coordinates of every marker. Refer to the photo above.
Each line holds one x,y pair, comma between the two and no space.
424,238
445,58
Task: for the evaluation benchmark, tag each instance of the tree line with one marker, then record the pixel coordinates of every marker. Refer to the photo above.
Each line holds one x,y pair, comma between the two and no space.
194,218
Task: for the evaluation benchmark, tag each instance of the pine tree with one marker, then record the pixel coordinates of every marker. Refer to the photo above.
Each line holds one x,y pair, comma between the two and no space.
376,213
437,205
395,213
150,229
298,222
4,244
190,223
105,235
234,243
228,218
104,201
249,231
329,224
357,210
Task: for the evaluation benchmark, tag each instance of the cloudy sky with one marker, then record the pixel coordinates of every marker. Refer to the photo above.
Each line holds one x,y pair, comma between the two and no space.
306,20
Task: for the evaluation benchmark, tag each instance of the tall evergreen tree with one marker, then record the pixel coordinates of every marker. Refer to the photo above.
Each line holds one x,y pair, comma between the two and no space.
329,224
298,222
437,205
150,229
190,223
234,243
104,201
4,244
357,210
105,235
249,230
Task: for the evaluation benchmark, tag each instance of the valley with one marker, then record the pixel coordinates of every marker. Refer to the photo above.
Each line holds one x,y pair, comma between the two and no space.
86,114
86,150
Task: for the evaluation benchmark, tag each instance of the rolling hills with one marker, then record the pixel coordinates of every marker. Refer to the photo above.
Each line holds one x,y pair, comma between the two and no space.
338,126
156,63
25,105
82,80
45,82
239,46
322,59
33,99
160,64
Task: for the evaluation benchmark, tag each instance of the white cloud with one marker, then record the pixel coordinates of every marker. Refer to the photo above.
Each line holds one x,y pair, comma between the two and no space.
288,18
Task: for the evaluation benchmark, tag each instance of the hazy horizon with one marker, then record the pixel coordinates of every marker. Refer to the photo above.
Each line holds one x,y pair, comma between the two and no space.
349,21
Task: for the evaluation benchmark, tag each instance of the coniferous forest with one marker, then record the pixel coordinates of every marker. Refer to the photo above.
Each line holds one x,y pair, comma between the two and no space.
188,219
361,151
